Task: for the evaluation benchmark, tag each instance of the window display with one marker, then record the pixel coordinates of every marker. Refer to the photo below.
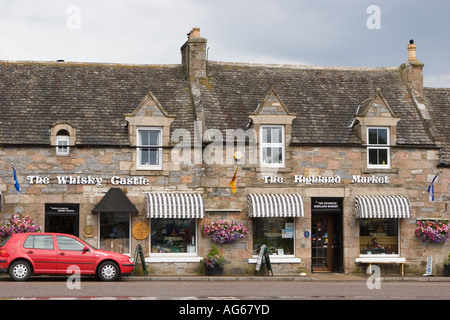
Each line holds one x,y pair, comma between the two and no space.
173,235
378,236
276,233
115,232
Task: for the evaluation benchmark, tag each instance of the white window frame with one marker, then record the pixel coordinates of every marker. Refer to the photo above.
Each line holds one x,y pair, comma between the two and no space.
264,145
139,148
384,255
62,145
379,147
129,232
175,256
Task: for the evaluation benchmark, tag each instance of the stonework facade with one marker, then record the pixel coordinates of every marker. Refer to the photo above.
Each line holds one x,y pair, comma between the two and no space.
329,135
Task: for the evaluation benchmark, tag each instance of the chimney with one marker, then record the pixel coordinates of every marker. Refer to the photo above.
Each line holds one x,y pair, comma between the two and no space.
412,71
193,54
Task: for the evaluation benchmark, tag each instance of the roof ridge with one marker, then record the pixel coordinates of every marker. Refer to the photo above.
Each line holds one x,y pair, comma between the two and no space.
305,67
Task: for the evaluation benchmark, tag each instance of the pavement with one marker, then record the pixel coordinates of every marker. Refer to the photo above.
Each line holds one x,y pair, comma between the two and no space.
307,277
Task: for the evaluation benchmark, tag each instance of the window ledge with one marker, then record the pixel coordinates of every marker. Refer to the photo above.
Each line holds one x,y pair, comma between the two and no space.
162,259
382,259
275,259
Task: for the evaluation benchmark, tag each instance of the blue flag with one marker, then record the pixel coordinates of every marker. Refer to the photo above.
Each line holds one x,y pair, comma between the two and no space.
16,182
431,189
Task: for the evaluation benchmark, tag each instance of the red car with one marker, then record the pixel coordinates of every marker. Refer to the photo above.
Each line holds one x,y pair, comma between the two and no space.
24,254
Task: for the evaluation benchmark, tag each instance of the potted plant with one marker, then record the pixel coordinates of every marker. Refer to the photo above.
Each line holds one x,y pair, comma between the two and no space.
447,266
213,262
225,232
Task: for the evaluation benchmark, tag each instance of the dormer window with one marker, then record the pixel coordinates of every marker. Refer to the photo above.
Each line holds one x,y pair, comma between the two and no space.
62,137
378,151
149,150
272,146
62,143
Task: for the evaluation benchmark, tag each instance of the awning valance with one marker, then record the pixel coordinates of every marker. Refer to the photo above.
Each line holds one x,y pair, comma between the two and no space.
275,205
115,200
382,207
175,205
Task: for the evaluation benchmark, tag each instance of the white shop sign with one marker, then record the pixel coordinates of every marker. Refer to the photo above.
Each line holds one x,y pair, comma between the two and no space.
90,180
300,179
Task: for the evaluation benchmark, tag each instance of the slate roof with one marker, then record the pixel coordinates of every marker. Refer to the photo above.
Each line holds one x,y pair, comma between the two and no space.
92,97
324,99
438,103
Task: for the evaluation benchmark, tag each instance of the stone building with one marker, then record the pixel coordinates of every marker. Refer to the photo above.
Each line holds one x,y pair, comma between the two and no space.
332,164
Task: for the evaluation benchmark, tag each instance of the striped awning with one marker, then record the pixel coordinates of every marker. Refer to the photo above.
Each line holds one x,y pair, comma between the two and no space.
382,207
275,205
175,205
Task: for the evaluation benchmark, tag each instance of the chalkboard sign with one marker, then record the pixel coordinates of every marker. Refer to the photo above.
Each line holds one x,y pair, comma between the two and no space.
140,253
263,257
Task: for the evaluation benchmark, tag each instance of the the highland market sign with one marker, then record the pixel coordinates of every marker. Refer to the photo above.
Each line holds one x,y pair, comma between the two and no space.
308,180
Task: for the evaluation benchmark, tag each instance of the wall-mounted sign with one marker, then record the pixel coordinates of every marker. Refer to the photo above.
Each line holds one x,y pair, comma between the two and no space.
140,231
89,180
309,180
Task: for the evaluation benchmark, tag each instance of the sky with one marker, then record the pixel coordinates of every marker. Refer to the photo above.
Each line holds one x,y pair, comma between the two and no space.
348,33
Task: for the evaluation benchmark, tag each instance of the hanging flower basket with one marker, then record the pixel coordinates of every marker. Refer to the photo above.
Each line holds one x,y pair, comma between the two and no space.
432,231
225,232
18,224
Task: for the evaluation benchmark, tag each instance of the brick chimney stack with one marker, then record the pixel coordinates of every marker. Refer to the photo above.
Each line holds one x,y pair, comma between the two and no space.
193,54
412,71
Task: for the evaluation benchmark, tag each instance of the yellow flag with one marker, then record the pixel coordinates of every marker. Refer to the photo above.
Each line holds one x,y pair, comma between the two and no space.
233,181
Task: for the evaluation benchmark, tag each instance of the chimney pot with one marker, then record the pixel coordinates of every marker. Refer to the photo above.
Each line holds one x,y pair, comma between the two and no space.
195,33
412,51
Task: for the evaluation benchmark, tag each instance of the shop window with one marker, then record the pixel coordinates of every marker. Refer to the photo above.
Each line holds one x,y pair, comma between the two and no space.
115,232
173,236
62,143
276,233
149,150
272,146
378,236
378,151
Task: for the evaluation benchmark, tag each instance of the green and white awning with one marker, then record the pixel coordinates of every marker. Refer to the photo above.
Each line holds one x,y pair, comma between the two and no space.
275,205
175,205
382,207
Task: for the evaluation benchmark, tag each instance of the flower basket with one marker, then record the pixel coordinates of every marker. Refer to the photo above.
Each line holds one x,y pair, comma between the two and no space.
225,232
213,262
18,224
432,231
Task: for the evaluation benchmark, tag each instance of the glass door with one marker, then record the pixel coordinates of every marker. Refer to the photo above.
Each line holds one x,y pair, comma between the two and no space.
322,242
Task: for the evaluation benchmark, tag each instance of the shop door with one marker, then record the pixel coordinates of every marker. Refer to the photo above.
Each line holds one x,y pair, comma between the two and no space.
322,242
326,235
62,218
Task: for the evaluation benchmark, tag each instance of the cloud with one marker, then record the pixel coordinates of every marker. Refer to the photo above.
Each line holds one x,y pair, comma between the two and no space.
322,33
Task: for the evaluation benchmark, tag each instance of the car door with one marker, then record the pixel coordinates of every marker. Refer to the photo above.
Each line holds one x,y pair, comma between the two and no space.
73,256
41,250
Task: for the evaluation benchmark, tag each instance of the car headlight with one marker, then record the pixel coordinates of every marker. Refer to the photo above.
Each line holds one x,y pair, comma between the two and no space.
131,259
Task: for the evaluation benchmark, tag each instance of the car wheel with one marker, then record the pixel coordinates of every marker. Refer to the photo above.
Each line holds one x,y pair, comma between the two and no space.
108,271
20,270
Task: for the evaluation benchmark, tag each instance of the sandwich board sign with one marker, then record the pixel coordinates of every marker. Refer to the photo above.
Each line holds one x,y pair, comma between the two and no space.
263,257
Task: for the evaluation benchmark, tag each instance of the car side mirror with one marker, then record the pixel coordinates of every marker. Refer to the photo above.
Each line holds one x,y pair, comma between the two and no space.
85,249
